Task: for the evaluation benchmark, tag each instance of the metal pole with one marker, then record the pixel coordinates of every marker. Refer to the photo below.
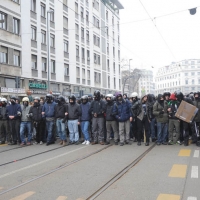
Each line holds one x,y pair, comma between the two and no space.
129,78
48,53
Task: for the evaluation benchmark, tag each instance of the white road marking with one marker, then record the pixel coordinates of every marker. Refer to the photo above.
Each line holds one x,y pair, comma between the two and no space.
196,153
194,172
192,198
39,163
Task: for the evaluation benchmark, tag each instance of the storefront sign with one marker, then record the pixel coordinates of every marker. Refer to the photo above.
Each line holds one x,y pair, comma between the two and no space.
35,85
13,90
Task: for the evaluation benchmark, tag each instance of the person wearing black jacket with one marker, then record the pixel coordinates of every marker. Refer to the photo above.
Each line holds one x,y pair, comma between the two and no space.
151,117
110,120
97,110
38,122
61,117
3,122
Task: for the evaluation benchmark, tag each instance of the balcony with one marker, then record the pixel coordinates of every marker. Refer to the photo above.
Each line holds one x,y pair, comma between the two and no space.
66,78
52,24
77,37
43,20
34,73
43,47
33,43
44,74
65,31
53,76
52,50
33,15
65,8
10,70
77,59
66,55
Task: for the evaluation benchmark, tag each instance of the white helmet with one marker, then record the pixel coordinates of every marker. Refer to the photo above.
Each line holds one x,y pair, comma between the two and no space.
134,94
25,99
4,99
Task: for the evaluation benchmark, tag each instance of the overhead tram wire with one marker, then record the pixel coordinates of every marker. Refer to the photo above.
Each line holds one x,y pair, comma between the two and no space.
157,30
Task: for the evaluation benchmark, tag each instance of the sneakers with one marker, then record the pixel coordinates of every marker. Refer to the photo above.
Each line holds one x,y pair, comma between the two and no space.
178,142
70,143
41,142
101,143
107,143
158,143
139,143
35,143
170,142
164,143
93,143
147,144
121,144
87,143
28,143
77,143
22,144
84,142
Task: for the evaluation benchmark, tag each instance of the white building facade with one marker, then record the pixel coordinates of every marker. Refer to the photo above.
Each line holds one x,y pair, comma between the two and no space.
84,38
183,76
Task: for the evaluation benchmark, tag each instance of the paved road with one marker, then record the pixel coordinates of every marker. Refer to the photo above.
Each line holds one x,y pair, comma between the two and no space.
165,173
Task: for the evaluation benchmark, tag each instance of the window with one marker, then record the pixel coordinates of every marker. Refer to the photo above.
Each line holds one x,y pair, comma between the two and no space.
76,7
114,82
77,29
3,17
82,32
33,5
108,65
119,54
112,20
114,67
66,68
96,40
97,77
15,26
88,74
65,2
118,26
106,15
113,51
96,4
193,73
66,46
16,58
96,22
43,10
52,15
88,55
44,64
4,55
186,74
43,36
34,61
87,16
83,53
65,22
16,1
87,35
97,59
119,70
186,82
193,82
77,51
52,40
83,73
77,71
33,32
199,81
53,66
192,62
108,81
107,31
108,48
82,12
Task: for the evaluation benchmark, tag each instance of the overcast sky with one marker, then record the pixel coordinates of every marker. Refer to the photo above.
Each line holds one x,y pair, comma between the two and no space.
141,41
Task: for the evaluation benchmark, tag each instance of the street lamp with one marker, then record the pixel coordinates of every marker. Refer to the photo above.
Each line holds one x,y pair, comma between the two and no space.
48,47
129,76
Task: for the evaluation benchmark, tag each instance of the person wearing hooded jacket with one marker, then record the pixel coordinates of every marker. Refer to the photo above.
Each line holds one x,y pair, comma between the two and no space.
74,118
25,122
38,122
174,122
14,113
139,110
150,115
160,111
4,122
197,117
61,112
97,111
122,113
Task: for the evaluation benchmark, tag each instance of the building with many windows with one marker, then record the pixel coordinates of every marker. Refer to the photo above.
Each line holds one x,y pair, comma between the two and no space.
84,46
183,76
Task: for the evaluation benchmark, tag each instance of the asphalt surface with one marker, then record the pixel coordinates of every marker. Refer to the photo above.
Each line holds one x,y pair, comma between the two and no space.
147,180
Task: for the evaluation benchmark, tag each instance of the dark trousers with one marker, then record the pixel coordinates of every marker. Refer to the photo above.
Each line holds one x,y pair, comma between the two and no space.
141,126
133,130
3,130
186,131
14,126
40,130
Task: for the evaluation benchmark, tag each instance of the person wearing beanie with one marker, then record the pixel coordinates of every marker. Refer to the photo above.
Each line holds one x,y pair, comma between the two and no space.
174,122
197,117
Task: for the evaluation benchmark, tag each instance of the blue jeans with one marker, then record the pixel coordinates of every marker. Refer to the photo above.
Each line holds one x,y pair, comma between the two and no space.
152,127
84,128
49,127
162,130
73,130
61,129
27,126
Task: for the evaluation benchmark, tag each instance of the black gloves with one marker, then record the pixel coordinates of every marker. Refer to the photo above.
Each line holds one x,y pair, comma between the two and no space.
161,112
